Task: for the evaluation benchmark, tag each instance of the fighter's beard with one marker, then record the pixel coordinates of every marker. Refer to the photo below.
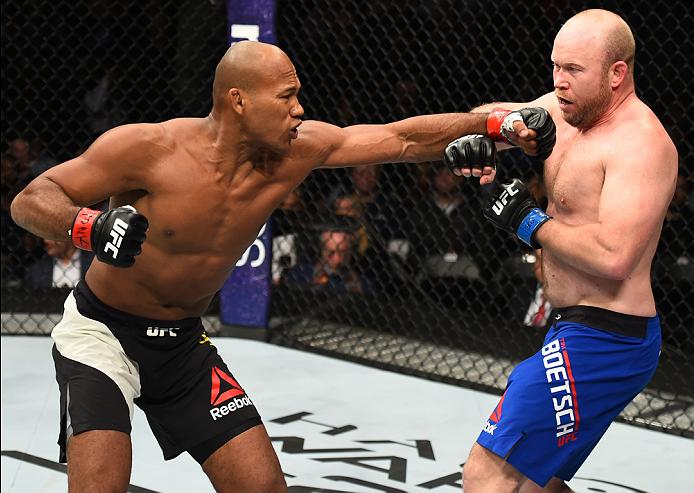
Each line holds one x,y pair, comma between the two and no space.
592,109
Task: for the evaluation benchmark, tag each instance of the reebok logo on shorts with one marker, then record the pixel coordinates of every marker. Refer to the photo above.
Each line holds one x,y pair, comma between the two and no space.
218,396
493,420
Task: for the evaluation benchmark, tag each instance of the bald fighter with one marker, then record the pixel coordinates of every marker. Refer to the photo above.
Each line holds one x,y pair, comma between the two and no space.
609,179
187,197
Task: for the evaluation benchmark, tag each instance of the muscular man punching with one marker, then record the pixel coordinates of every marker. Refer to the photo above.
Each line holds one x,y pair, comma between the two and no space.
609,181
187,197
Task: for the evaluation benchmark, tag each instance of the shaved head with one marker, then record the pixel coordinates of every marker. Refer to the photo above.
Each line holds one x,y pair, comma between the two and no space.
255,96
606,31
593,57
246,65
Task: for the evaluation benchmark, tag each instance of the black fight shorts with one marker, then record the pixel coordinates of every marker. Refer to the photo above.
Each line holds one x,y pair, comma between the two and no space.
107,360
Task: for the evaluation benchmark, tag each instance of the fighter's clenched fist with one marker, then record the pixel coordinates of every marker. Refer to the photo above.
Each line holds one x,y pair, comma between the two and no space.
115,236
501,126
512,208
471,154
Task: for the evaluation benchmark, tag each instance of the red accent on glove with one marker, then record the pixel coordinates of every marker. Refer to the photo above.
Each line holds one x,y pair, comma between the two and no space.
81,232
494,121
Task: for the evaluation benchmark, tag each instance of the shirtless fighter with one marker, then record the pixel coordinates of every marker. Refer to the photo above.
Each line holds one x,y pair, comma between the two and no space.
199,189
609,179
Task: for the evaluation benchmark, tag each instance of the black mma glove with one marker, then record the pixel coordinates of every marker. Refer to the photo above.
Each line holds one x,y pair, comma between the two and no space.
512,208
470,151
500,127
115,236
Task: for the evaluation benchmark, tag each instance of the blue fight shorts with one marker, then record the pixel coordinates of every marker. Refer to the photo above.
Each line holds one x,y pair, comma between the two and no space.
559,402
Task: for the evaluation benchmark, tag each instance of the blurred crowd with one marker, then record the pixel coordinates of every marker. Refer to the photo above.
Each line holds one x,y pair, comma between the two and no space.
29,261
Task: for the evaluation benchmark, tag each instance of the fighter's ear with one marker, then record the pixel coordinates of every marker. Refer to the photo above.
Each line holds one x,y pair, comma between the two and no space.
618,72
236,100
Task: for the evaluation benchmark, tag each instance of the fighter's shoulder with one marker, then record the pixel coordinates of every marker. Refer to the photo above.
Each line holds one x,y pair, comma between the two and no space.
637,144
641,120
137,140
138,131
549,102
316,131
316,140
652,124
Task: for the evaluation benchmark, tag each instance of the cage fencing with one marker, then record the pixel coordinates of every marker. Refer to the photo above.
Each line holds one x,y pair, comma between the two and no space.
392,265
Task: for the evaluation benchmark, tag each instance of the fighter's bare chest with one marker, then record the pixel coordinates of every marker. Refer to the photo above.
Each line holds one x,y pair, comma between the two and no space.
210,214
574,176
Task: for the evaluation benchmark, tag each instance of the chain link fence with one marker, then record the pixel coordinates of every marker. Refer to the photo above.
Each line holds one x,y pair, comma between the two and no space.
392,265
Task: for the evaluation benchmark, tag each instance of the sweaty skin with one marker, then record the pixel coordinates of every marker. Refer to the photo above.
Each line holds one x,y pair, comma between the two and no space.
207,185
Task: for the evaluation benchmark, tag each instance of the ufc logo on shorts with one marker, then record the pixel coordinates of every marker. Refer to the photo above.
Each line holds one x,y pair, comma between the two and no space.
498,206
117,233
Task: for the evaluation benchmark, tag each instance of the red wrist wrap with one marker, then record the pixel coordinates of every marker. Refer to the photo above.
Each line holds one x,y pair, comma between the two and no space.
81,232
494,121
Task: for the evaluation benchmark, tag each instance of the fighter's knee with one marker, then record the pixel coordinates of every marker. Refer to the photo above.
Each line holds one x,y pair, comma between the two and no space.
473,474
555,485
484,471
474,469
271,484
258,483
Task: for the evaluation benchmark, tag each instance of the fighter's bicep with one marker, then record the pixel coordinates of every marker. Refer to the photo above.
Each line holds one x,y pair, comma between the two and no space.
635,195
363,144
86,184
117,162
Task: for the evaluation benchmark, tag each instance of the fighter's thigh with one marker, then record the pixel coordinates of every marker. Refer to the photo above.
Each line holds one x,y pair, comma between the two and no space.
99,460
486,471
247,463
89,400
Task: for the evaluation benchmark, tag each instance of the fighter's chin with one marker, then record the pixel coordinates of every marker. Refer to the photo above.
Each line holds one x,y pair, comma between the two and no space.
570,119
573,119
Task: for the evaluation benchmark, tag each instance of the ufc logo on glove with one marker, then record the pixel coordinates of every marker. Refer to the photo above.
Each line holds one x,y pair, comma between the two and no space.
117,233
498,206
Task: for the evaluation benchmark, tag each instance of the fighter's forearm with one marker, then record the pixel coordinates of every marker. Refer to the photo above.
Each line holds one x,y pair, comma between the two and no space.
425,137
586,248
44,209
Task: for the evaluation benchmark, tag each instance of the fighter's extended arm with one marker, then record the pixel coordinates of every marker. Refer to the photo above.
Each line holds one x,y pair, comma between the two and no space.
53,203
639,184
416,139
